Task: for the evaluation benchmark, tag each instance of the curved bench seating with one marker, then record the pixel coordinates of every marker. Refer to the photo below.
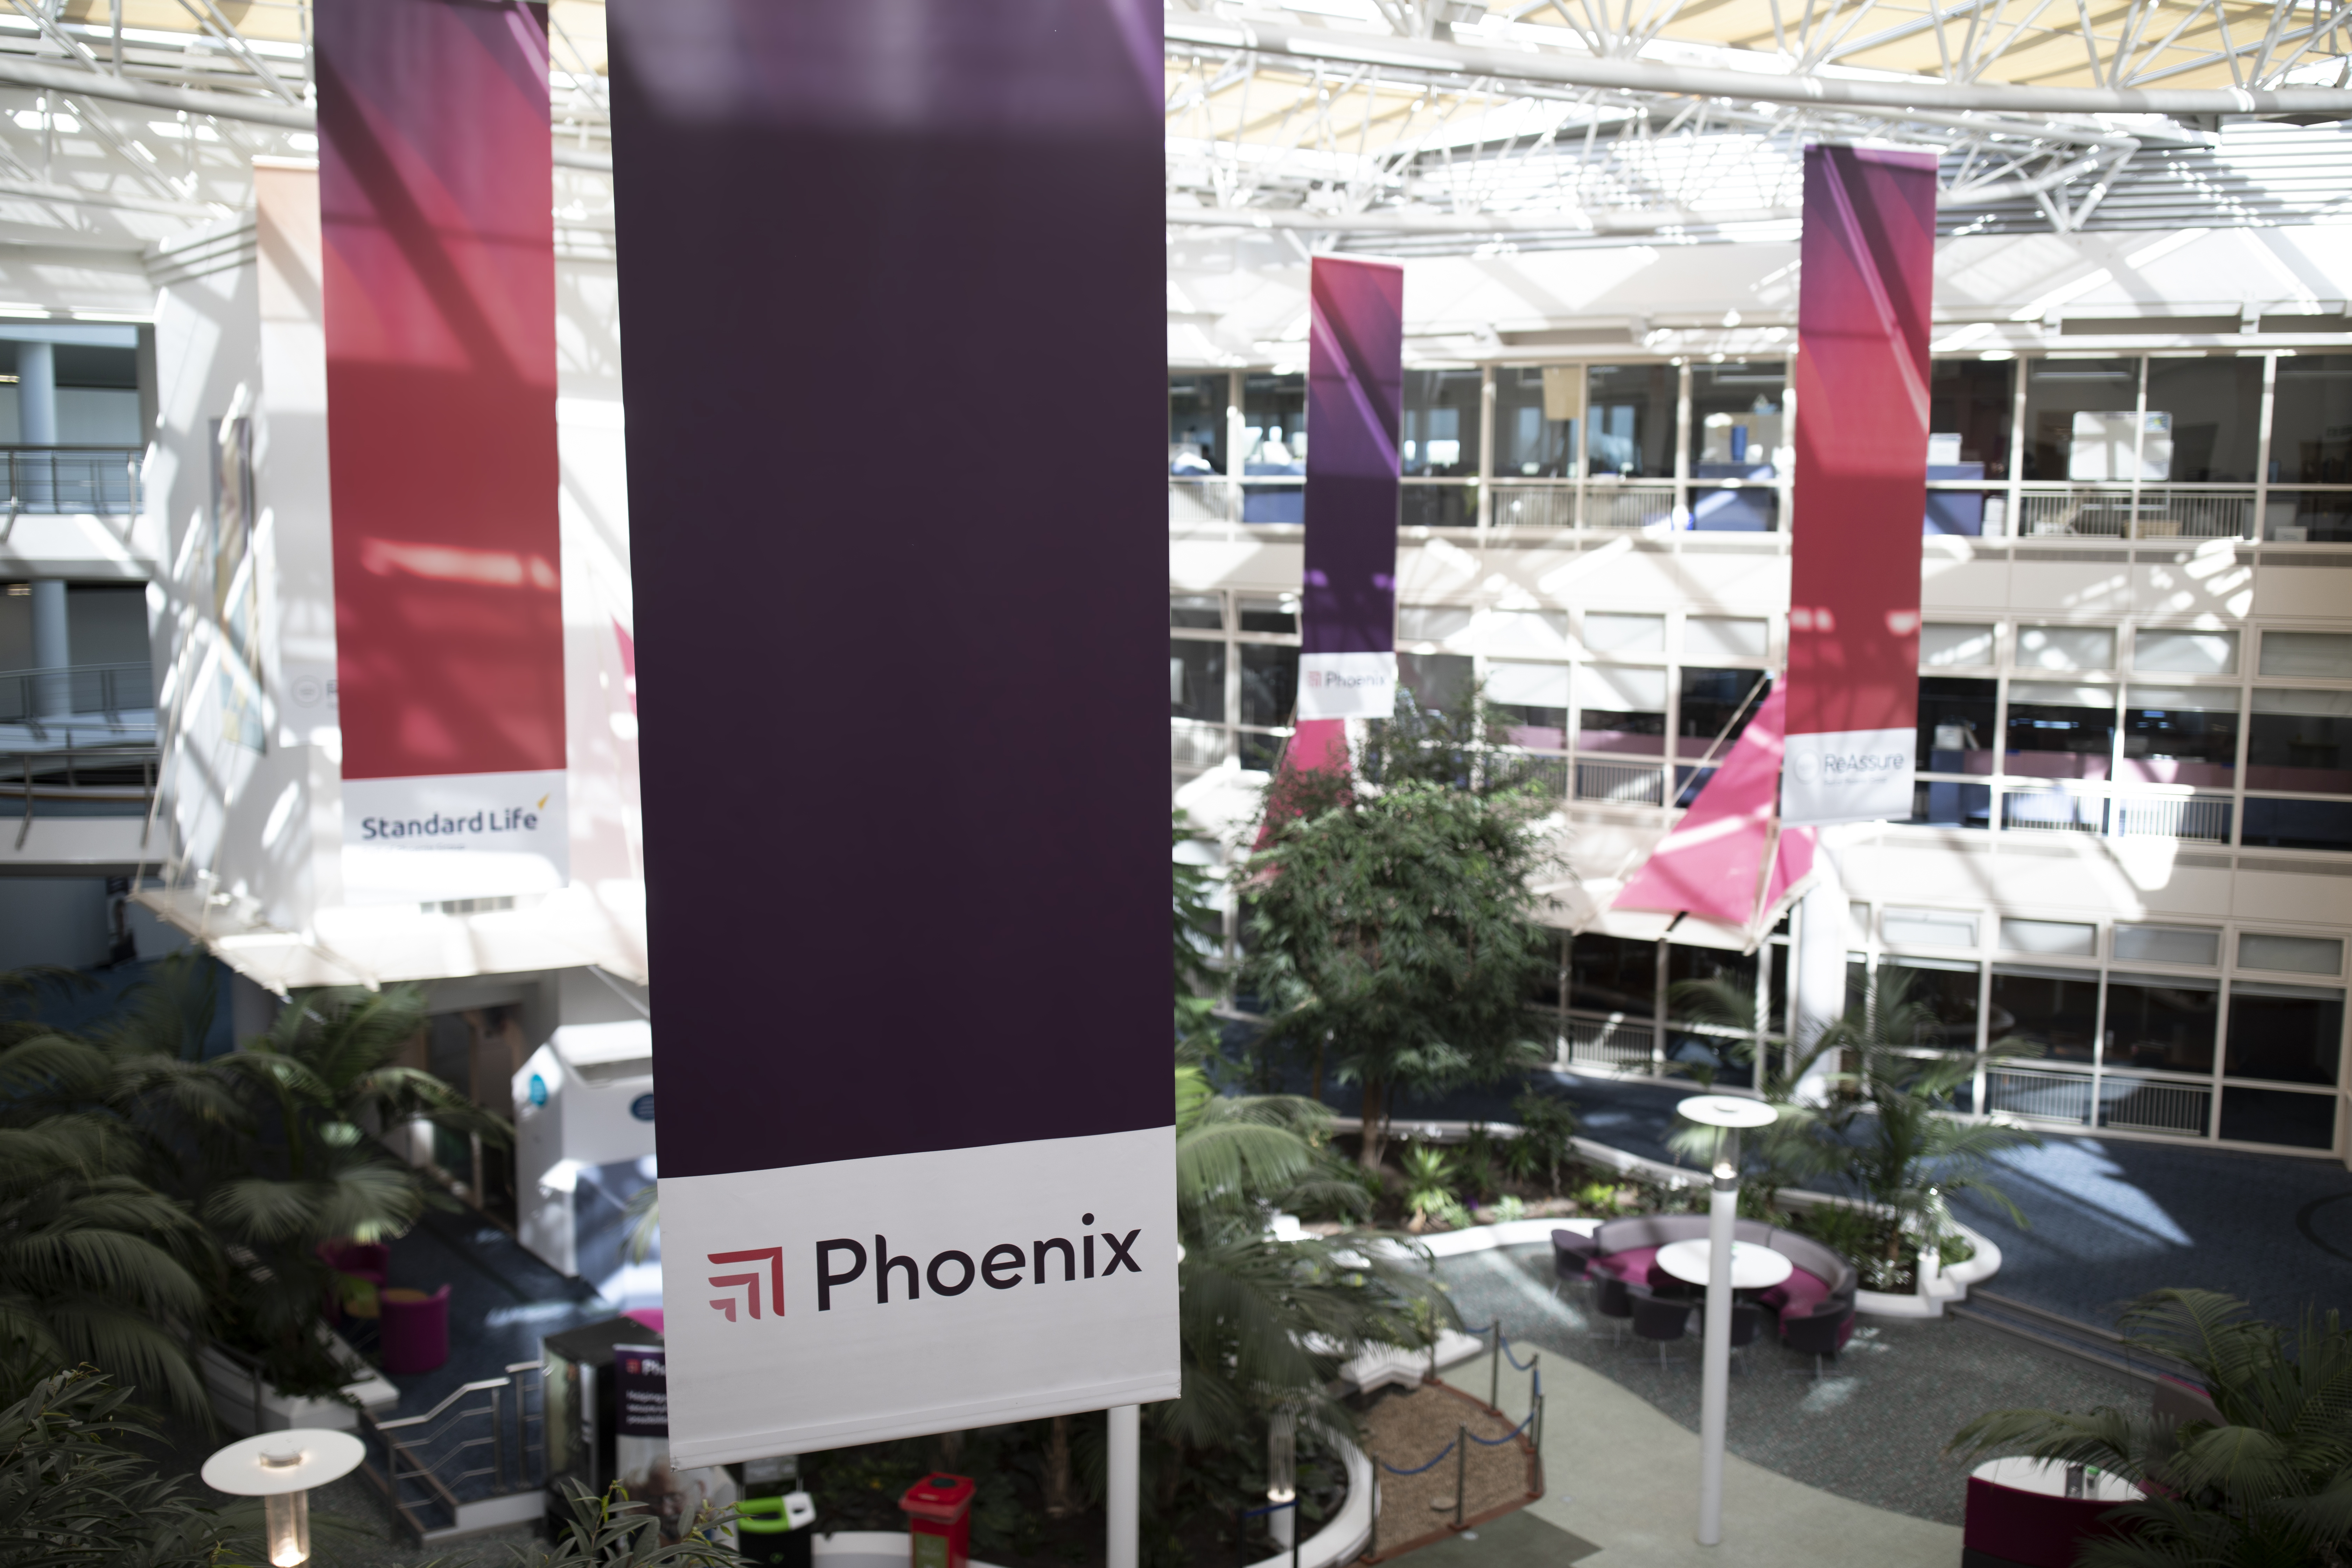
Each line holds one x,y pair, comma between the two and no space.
1820,1283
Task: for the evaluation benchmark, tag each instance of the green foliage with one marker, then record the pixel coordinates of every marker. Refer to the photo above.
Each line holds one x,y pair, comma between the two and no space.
1455,748
2270,1485
1394,933
1546,1140
74,1490
610,1532
1429,1186
1199,933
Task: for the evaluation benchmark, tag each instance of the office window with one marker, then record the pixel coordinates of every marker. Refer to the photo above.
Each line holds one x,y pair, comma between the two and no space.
2060,732
2058,391
1629,420
1206,611
1947,642
2327,656
1715,707
1274,424
2053,937
1437,680
2300,740
1612,975
1956,729
1736,419
2288,1033
2291,954
1969,404
2160,1022
2137,942
1937,802
2065,648
1264,614
2185,735
2278,823
1540,634
1724,637
1196,680
1269,683
2049,1012
1948,990
1439,430
2311,422
1539,412
2213,407
2321,517
1622,709
1930,927
1196,426
2185,653
2278,1116
1605,632
1428,622
1687,965
1532,702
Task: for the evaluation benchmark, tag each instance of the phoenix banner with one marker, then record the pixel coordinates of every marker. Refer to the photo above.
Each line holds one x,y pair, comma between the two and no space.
1355,381
436,188
893,1201
1869,260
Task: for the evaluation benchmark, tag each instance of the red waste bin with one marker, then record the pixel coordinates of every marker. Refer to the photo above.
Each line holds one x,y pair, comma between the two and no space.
938,1520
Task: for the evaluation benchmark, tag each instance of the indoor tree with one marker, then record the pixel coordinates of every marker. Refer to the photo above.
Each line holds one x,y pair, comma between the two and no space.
2269,1484
1393,938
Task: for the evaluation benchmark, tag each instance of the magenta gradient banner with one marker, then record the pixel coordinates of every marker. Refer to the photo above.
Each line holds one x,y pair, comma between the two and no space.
1869,266
1355,388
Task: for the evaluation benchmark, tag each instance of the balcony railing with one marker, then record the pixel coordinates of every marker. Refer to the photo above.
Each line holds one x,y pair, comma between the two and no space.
103,481
1605,504
2039,1096
1626,1047
2160,511
85,696
1620,785
2206,821
2152,1105
77,781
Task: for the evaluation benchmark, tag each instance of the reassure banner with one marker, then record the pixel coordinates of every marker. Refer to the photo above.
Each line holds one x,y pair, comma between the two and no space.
897,1196
436,195
1863,309
1355,379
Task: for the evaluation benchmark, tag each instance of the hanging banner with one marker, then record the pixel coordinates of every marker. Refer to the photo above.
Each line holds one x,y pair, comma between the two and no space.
684,1503
1869,262
435,189
890,1205
1355,385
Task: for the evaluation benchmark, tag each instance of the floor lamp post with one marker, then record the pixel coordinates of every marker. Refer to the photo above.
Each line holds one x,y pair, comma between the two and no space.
280,1467
1726,1115
1121,1503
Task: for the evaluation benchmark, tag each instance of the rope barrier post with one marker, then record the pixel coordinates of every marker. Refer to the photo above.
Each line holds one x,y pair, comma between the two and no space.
1372,1542
1539,1405
1297,1532
1494,1366
1461,1472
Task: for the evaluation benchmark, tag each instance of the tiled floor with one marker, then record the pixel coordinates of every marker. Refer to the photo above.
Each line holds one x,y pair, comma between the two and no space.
1871,1430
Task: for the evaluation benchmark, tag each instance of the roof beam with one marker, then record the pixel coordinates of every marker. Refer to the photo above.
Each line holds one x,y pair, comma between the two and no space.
1646,76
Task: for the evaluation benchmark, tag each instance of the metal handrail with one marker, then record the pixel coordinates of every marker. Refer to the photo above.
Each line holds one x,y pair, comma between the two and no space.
104,481
409,1459
50,696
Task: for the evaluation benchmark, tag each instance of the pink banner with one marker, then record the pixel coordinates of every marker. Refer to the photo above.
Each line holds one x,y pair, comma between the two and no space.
1712,865
1861,483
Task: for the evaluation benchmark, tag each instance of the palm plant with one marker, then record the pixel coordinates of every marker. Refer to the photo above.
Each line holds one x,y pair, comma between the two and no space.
610,1532
1887,1125
1429,1177
2269,1484
1266,1324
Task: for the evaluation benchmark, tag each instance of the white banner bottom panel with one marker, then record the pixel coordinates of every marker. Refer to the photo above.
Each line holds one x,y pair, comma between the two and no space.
1848,775
816,1307
1347,685
455,835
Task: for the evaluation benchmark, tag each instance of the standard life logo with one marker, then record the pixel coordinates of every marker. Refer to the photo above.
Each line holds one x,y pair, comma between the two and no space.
845,1261
506,819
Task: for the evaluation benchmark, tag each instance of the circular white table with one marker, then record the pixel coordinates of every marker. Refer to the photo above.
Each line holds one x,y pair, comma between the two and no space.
1753,1266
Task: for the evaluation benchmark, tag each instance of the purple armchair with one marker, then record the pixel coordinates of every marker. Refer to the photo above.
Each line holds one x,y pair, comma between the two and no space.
363,1266
416,1330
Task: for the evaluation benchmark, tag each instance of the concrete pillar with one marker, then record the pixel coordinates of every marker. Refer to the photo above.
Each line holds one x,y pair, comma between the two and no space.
37,395
1820,976
52,649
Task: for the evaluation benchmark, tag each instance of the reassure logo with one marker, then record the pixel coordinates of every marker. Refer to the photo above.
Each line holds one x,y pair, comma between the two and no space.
1848,767
843,1261
506,819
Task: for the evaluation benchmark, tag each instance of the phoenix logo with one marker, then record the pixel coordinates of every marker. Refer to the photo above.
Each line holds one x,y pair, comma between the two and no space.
773,1257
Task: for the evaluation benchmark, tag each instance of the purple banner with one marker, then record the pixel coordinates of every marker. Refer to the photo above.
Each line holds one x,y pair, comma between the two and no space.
879,525
1355,384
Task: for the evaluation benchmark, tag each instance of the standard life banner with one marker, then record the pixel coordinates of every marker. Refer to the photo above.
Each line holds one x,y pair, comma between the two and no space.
436,195
1869,255
1355,381
895,1199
